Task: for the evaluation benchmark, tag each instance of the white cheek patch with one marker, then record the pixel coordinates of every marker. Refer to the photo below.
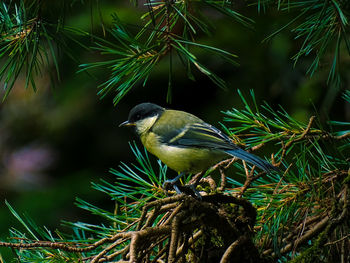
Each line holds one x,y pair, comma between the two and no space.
145,124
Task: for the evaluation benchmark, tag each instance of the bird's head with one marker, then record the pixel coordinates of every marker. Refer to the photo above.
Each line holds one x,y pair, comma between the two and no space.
143,116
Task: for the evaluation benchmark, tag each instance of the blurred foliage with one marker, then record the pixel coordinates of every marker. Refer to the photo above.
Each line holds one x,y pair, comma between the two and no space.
169,27
30,42
323,26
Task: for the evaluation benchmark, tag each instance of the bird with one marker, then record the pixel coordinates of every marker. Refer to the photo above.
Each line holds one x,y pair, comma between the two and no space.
184,142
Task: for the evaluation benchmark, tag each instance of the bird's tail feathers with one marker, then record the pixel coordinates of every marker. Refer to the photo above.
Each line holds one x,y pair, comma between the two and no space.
250,158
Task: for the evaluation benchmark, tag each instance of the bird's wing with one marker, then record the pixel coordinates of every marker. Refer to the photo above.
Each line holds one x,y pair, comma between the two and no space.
206,136
201,135
183,129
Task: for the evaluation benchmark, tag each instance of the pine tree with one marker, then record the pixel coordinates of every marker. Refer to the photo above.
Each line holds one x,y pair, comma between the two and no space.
299,214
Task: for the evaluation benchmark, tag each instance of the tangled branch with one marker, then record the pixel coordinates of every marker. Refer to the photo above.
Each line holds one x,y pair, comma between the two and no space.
173,228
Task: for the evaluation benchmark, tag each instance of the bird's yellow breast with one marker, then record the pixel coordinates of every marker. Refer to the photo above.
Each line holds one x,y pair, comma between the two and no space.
181,159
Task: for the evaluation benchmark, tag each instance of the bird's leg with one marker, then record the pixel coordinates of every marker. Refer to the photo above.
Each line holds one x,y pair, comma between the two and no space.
173,182
183,189
197,179
193,186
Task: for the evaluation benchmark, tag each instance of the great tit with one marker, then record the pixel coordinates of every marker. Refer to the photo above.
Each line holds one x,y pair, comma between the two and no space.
184,142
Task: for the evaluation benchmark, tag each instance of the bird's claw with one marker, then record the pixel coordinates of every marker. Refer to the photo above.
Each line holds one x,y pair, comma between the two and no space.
182,189
193,187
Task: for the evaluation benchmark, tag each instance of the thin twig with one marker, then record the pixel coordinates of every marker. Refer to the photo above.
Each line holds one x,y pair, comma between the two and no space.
249,180
337,241
174,237
308,127
307,236
222,181
191,240
106,250
231,249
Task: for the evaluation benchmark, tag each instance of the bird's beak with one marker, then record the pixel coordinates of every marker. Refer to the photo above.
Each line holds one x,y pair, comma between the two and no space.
126,124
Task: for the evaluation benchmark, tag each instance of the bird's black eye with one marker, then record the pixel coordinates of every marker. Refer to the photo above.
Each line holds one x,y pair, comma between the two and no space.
143,111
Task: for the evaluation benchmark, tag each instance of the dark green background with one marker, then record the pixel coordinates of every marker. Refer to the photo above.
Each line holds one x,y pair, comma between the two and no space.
77,134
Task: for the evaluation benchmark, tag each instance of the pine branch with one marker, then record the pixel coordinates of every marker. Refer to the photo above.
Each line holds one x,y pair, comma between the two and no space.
171,27
30,44
297,213
323,26
173,225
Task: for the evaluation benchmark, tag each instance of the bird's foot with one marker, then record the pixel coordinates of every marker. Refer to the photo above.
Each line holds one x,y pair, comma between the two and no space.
171,185
195,192
181,189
